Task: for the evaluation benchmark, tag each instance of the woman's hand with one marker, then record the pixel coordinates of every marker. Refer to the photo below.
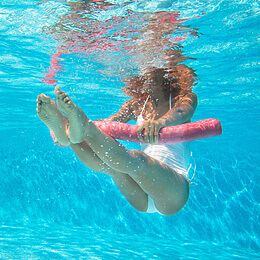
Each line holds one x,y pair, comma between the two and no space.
151,130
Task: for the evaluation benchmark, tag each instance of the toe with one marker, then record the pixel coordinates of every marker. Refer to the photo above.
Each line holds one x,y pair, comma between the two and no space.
39,98
63,96
43,98
66,99
56,89
70,104
38,108
38,101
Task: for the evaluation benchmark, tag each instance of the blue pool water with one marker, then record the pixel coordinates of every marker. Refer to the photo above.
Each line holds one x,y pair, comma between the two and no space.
53,207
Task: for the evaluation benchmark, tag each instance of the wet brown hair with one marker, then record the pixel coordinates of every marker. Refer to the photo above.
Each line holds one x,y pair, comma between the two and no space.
177,81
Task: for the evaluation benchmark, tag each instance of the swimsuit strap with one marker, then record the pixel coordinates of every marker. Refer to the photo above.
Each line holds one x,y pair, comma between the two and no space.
144,105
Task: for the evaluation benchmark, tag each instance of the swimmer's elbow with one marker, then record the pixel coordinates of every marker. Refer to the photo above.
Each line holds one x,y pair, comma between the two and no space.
185,112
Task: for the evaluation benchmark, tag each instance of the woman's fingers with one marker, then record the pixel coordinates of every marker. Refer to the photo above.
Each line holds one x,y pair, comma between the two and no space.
146,134
151,133
142,132
146,131
139,133
156,134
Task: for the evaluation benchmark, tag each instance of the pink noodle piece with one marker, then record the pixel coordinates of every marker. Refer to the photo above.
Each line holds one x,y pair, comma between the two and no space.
167,135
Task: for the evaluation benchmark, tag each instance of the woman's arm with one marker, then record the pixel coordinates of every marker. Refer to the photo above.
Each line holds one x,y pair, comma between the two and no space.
182,111
124,114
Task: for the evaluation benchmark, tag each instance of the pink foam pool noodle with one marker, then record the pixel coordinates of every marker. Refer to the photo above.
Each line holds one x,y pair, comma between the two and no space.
170,134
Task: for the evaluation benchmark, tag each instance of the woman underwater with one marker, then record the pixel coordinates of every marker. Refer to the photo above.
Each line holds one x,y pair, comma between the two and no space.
152,180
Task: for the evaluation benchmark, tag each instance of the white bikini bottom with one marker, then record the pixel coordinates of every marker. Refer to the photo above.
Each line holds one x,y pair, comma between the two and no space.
151,207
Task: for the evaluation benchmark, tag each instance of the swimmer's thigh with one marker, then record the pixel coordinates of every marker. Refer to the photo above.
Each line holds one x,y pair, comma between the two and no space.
168,189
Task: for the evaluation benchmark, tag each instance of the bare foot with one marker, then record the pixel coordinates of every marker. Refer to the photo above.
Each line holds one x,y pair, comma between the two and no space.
52,118
78,121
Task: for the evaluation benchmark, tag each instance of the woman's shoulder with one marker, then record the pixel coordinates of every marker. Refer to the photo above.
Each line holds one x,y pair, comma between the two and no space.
187,98
135,105
134,102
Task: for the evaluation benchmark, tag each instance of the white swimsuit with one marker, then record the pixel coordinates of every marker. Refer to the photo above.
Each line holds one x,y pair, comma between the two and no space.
176,156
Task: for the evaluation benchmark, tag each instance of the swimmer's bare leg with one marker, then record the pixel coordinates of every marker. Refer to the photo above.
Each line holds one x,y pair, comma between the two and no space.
52,118
168,189
128,187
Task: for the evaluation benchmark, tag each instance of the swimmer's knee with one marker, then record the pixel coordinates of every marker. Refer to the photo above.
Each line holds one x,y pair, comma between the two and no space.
174,205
